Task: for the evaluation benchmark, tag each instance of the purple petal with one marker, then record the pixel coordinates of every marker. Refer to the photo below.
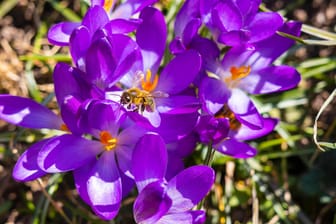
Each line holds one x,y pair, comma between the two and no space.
27,113
95,18
149,160
239,150
177,104
189,11
234,38
245,133
70,111
110,117
211,129
126,50
59,34
130,7
151,36
207,48
191,30
81,176
180,72
213,94
117,54
226,16
153,117
79,44
206,7
127,184
99,73
67,152
189,187
176,46
174,166
271,79
26,168
152,203
99,185
68,82
130,134
248,8
104,187
124,156
242,56
244,109
121,26
175,126
190,217
184,146
264,25
97,2
266,49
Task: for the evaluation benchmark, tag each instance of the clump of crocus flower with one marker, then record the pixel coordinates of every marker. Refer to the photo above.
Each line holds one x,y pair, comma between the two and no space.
130,120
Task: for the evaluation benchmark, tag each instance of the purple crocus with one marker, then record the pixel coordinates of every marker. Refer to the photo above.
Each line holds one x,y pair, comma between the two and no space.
238,22
245,70
226,134
166,201
101,164
98,16
164,93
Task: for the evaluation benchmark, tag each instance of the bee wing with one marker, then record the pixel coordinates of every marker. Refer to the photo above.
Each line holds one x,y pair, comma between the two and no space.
138,77
159,94
114,96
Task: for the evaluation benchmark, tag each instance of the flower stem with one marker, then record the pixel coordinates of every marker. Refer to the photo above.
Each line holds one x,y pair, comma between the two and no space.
210,154
207,161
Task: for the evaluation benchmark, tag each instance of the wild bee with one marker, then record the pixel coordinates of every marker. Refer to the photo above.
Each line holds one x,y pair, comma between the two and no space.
140,100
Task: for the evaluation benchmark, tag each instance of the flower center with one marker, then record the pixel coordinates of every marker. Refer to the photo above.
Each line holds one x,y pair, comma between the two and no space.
237,74
225,112
147,84
108,141
108,5
64,128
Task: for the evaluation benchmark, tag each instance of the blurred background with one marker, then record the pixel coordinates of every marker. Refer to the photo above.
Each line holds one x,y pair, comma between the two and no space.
289,181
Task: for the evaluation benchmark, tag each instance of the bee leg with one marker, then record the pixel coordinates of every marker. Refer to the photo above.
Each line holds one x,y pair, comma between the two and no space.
136,109
142,108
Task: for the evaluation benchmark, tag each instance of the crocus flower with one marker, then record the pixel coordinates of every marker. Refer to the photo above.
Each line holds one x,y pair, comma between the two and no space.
236,22
101,164
98,15
166,201
148,93
245,70
226,134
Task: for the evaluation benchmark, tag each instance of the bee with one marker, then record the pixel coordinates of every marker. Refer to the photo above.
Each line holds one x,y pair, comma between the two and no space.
139,100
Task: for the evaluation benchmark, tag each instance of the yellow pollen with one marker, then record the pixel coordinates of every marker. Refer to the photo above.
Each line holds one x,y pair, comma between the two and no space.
64,128
225,112
108,5
107,140
147,84
239,73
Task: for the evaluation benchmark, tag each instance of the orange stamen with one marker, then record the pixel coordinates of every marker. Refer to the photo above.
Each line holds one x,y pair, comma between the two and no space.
239,73
107,140
147,84
108,5
64,128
